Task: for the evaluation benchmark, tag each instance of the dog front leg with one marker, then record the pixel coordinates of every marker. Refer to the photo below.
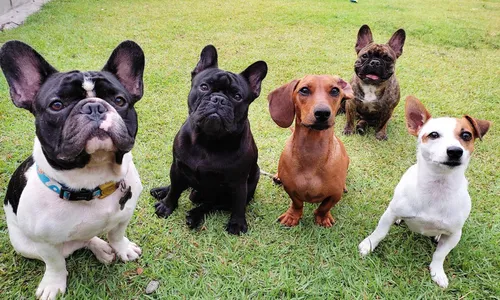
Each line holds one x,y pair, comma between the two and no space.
369,244
124,249
237,223
322,215
54,278
445,245
178,184
381,130
350,114
293,214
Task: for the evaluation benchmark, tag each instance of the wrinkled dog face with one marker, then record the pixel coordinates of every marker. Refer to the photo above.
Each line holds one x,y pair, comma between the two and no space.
376,62
77,113
219,100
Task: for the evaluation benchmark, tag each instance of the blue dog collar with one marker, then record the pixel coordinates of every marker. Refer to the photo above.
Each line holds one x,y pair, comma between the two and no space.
102,191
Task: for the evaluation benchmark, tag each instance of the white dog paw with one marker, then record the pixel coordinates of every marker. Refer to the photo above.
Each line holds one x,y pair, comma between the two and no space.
51,285
365,247
438,276
126,250
102,250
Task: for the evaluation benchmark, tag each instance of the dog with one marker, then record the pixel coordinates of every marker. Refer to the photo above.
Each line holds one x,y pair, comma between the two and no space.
376,89
313,165
80,181
432,197
214,152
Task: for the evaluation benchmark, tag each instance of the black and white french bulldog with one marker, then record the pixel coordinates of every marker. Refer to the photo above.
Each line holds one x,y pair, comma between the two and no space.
214,151
80,181
375,86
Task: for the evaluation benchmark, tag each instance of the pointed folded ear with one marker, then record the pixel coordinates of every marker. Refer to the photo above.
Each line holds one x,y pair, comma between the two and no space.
364,38
254,74
281,104
127,64
25,71
416,115
208,59
397,41
346,88
480,126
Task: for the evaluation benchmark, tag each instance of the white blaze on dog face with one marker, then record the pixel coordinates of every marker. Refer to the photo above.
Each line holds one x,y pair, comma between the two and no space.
436,136
88,85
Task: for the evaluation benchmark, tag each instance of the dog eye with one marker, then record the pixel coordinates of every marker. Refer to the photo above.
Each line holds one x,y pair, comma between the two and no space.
56,105
433,135
237,97
204,87
335,92
466,136
120,101
386,58
364,56
305,91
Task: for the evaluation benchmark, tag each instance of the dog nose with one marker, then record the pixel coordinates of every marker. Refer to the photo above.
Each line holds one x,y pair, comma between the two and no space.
94,109
322,114
454,152
375,63
218,99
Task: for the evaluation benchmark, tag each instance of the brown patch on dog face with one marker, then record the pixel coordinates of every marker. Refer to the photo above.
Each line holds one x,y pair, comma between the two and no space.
464,132
319,92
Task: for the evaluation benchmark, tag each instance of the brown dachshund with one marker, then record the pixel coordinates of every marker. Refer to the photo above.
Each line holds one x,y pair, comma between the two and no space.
313,165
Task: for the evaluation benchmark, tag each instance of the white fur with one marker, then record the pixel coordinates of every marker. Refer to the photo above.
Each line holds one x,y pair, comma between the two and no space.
49,228
369,91
88,85
431,198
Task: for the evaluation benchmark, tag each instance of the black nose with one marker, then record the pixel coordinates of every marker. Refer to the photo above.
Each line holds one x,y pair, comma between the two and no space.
218,99
94,110
375,63
454,152
322,114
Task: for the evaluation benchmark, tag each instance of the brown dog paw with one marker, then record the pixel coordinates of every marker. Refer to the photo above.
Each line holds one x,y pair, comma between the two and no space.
347,130
289,219
381,136
324,221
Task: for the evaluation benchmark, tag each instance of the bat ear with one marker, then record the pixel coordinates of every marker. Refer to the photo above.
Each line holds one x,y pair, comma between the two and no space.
364,38
25,70
281,104
208,59
254,74
127,64
416,115
397,41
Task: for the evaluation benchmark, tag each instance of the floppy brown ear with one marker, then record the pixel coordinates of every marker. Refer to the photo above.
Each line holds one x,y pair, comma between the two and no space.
346,88
281,104
480,126
416,115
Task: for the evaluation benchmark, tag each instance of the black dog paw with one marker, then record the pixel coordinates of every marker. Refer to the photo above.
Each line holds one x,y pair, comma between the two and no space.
160,193
162,210
237,227
194,218
195,197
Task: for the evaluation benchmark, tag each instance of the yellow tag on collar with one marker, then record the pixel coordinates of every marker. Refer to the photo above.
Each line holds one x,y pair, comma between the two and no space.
107,189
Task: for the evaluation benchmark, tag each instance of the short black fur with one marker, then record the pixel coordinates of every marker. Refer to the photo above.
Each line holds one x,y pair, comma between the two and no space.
17,183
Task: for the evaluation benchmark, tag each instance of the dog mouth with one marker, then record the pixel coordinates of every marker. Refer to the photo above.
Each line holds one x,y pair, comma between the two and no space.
451,163
372,76
317,126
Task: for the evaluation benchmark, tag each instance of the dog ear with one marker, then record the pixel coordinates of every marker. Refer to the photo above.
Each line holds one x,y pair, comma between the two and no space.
281,104
416,115
208,59
127,64
397,41
364,38
254,74
346,88
25,70
480,126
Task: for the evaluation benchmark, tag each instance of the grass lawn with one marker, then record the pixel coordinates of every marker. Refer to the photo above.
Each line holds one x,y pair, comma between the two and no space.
450,62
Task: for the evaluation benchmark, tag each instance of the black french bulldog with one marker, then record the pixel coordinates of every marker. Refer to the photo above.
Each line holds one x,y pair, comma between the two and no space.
214,151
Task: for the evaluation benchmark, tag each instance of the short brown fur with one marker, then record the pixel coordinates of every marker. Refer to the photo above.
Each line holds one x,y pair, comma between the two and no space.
313,165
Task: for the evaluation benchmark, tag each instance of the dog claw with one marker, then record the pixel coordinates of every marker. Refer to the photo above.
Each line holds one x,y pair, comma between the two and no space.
160,193
289,219
325,221
237,227
381,136
347,131
163,211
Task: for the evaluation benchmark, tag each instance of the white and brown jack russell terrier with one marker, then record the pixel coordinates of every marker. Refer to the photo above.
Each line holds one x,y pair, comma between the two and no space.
432,197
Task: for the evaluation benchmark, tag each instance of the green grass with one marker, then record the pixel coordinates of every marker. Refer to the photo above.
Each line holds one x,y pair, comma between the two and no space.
451,62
